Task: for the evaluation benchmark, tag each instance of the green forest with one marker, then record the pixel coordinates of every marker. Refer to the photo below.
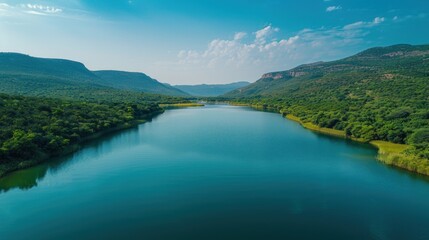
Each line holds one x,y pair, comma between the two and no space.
38,128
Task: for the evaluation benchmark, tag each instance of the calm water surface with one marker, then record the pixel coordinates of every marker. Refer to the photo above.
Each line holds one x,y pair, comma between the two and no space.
217,172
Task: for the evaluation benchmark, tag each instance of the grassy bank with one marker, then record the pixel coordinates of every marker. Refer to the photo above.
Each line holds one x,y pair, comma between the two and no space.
313,127
389,153
181,105
396,155
40,157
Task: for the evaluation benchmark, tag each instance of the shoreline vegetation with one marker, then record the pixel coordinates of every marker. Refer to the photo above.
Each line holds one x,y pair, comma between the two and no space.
180,105
7,168
392,154
39,158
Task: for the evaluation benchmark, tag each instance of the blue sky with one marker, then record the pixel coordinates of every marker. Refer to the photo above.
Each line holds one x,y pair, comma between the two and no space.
207,41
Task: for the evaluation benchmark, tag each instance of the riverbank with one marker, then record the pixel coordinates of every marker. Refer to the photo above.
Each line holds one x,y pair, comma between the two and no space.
40,158
392,154
395,155
180,105
313,127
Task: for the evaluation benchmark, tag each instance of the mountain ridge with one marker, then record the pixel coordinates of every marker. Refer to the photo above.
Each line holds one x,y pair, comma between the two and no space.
22,74
370,60
136,81
211,90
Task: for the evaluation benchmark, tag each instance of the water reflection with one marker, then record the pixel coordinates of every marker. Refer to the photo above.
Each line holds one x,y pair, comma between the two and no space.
370,157
28,178
24,179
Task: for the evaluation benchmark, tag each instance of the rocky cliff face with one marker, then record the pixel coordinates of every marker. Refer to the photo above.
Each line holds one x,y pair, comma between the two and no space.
283,75
406,54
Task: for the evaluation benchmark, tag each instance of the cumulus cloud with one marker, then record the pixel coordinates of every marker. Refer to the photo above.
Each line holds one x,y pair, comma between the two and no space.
236,52
239,35
333,8
266,51
265,32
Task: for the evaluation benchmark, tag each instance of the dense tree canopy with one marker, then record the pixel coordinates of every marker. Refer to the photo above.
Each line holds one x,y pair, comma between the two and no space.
40,127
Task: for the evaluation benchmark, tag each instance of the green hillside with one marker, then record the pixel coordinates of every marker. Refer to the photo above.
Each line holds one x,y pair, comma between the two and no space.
378,94
211,90
25,75
137,82
380,63
20,64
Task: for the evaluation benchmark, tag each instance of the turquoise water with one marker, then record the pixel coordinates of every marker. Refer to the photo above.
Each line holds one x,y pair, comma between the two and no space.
218,172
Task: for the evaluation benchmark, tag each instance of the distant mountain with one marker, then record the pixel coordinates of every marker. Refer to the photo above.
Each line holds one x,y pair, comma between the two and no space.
25,75
136,81
211,90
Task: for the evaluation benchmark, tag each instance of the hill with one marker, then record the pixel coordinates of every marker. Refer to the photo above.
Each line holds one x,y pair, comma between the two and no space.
210,90
389,62
20,64
379,94
25,75
137,82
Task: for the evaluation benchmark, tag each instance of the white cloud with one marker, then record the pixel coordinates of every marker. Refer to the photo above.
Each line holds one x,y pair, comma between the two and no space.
333,8
239,36
378,20
4,7
265,52
7,10
21,10
398,19
362,24
35,12
265,32
41,9
355,25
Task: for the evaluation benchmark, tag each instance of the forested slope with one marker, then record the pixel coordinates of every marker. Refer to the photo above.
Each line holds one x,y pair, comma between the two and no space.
137,82
25,75
378,94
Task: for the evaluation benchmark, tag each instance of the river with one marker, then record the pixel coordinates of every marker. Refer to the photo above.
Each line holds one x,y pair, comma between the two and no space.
216,172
